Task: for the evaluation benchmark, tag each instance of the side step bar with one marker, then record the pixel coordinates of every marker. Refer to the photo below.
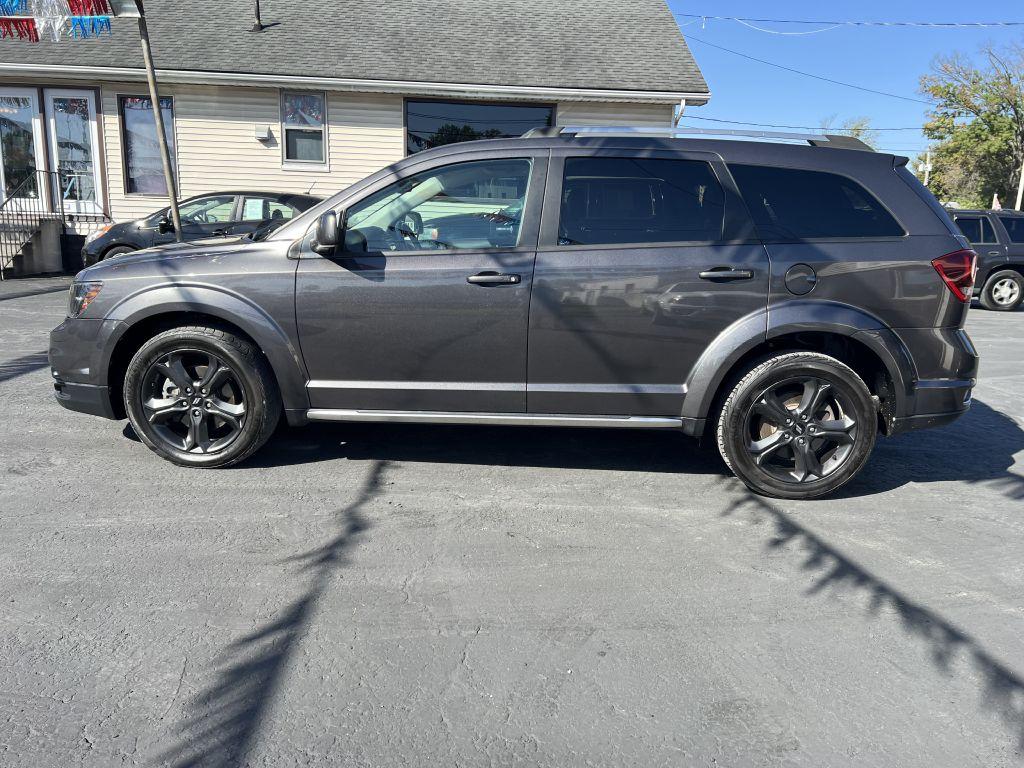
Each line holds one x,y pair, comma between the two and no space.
504,419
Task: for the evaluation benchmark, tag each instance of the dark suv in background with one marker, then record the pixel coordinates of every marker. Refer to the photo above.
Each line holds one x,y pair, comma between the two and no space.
998,238
791,301
221,214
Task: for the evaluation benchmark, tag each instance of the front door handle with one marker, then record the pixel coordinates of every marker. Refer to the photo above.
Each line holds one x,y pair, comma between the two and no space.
494,278
220,232
726,273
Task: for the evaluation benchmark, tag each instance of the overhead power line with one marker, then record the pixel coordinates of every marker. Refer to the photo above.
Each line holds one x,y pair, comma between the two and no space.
808,74
826,25
780,125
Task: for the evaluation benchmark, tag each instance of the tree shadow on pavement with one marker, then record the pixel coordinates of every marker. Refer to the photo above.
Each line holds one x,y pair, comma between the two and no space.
978,448
1001,689
222,722
10,369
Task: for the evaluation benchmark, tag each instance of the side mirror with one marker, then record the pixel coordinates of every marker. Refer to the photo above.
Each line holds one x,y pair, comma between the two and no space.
164,226
325,240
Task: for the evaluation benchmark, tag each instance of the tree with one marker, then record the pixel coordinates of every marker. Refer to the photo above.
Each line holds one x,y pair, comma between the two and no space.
857,127
978,122
449,133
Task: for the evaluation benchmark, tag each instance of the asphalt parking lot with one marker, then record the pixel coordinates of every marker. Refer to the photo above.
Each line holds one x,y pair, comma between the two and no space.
472,596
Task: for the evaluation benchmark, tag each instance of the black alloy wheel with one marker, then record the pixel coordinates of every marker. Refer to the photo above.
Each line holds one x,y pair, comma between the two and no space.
201,396
799,430
798,426
194,401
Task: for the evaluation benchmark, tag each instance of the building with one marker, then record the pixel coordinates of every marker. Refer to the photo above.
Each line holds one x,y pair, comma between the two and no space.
325,94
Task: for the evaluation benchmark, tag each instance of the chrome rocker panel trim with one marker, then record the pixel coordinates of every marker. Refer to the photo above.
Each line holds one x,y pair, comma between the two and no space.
504,419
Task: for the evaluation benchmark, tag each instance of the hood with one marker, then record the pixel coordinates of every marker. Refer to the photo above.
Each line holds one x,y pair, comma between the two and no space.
173,254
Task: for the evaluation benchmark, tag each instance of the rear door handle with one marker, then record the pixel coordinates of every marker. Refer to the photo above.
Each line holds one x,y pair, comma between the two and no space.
726,273
494,278
995,253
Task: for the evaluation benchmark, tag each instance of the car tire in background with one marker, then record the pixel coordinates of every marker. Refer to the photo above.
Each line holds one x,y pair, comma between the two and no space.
117,250
798,426
1003,291
201,396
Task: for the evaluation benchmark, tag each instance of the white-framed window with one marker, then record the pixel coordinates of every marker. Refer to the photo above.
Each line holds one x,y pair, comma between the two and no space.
304,128
142,165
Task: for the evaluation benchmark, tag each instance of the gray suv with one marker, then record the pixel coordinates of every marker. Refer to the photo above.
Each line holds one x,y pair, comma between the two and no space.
998,238
790,301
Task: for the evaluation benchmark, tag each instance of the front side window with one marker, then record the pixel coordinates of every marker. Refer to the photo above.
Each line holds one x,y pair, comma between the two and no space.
976,229
143,168
208,210
1014,227
635,200
436,123
470,206
794,204
303,122
265,209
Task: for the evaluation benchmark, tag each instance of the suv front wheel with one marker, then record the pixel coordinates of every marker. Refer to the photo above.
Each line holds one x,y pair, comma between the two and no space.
201,397
798,426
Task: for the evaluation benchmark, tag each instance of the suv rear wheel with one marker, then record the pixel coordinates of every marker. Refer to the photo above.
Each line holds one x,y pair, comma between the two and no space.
1003,291
798,426
201,397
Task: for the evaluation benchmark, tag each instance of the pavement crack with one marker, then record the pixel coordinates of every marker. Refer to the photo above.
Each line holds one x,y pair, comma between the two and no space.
177,691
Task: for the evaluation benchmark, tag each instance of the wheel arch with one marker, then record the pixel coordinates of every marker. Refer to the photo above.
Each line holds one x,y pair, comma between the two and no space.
106,251
852,336
151,312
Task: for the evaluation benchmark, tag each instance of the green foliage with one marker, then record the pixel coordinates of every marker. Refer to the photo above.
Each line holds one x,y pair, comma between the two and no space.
857,127
978,124
449,133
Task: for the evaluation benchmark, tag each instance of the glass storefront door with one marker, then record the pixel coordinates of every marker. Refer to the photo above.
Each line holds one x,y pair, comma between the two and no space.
21,144
74,149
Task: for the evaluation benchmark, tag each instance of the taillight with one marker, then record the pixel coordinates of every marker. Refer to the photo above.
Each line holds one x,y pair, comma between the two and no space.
957,271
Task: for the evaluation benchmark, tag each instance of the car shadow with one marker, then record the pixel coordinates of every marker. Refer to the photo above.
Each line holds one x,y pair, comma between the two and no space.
1001,689
977,449
601,449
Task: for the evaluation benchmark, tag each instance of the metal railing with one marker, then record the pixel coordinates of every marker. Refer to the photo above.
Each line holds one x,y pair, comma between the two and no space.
22,213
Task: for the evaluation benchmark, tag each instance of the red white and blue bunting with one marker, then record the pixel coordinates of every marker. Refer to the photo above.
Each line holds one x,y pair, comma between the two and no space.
34,19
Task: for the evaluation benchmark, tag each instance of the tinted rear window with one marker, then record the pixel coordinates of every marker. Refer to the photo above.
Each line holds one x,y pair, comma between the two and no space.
976,229
635,200
788,203
1015,227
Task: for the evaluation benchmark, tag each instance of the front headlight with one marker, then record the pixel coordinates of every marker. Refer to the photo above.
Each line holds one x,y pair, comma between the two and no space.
98,234
81,296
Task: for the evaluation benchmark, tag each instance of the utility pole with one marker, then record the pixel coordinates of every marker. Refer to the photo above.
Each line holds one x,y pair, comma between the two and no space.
927,167
158,118
1020,188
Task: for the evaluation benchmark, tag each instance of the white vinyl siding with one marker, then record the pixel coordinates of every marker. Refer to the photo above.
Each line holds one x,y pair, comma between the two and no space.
215,129
217,148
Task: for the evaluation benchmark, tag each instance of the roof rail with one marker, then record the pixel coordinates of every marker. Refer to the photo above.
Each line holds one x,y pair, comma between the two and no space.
814,139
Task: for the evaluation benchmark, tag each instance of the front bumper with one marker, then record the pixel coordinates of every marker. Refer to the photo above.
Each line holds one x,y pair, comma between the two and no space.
78,365
85,398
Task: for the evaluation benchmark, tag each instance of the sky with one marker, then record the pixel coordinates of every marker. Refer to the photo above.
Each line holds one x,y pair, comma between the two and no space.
885,59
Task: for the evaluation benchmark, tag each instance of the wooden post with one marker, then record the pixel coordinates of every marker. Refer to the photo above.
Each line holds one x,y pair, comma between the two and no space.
161,137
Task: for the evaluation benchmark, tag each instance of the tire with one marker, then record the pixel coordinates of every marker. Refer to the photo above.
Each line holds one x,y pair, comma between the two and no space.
117,250
1003,291
769,445
231,403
